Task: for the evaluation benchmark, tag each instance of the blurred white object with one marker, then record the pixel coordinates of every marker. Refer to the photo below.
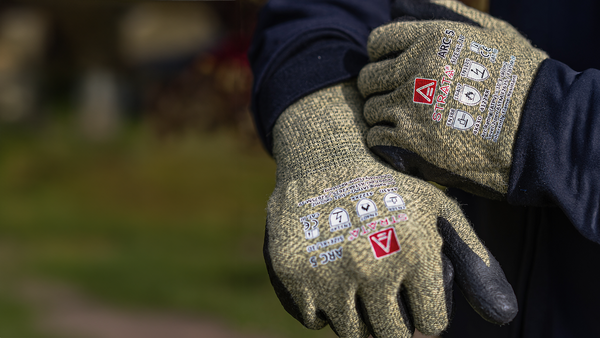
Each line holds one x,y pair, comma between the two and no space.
99,105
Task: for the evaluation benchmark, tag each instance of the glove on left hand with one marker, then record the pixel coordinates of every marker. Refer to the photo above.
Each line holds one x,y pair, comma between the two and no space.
445,96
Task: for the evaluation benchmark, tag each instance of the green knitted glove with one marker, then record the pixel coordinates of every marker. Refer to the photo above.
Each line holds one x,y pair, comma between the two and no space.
445,97
352,243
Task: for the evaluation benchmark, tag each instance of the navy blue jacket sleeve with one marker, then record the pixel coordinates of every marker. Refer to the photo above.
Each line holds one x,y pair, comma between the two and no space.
302,46
556,159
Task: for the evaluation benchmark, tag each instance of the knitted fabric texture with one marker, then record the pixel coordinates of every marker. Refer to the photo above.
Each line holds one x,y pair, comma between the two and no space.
451,92
350,242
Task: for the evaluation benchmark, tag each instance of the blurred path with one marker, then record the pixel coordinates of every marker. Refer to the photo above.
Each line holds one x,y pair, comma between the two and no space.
62,312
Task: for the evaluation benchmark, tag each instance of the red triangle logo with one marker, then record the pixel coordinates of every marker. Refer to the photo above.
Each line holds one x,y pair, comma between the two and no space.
424,91
384,242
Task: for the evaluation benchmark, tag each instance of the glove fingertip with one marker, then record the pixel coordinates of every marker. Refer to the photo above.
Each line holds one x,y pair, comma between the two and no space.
309,318
483,284
505,308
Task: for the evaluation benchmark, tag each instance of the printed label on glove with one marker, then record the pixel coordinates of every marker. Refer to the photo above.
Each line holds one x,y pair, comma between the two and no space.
310,225
444,47
326,257
444,91
366,209
394,202
345,189
366,229
486,52
446,41
467,95
474,71
477,125
324,244
384,243
383,191
459,119
500,102
363,195
458,49
484,101
339,219
424,91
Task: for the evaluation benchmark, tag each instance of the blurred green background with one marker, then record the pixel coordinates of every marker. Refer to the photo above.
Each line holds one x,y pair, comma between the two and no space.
132,185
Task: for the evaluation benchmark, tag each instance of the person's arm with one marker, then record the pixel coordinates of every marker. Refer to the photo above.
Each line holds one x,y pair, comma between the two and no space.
556,159
302,46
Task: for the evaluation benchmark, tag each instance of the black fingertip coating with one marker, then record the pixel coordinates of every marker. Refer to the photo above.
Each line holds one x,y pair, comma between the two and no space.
484,287
425,10
285,297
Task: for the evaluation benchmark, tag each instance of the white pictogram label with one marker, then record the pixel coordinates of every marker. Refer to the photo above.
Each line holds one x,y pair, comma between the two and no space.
311,233
366,209
394,202
339,219
459,119
467,95
474,71
310,226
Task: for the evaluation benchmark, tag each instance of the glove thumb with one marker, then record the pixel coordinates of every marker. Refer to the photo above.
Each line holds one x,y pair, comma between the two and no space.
478,275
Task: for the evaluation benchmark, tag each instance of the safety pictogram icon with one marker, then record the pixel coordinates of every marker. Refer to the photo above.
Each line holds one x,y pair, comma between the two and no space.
339,219
424,91
474,70
384,242
366,209
459,119
468,95
394,202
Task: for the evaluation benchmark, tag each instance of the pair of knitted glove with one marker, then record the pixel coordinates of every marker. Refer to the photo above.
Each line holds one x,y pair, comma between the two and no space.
366,247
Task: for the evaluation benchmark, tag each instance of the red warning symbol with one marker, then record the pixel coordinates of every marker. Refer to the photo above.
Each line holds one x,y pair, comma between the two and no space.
384,242
424,90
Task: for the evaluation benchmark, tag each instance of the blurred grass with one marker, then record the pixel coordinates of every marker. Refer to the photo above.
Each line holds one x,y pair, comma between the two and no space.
172,224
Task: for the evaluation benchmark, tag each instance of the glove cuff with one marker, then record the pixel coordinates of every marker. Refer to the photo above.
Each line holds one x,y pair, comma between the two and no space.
321,131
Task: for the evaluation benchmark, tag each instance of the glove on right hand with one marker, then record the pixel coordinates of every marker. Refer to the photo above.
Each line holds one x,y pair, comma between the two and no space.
444,98
351,242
